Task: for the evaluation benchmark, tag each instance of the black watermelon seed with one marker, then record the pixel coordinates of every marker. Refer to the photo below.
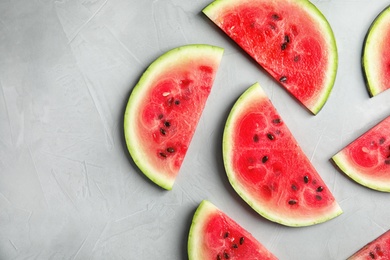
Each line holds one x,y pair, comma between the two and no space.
219,257
264,159
163,155
162,131
306,179
283,46
276,121
167,124
286,38
292,202
270,136
226,235
372,255
294,187
177,102
160,116
226,255
256,138
170,101
387,161
297,58
318,197
242,239
382,140
275,17
170,150
320,188
235,246
283,79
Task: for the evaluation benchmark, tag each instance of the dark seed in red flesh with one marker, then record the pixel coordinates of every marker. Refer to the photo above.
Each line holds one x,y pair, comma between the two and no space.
294,187
372,255
219,257
242,240
256,138
286,38
276,121
292,202
163,155
170,150
270,136
283,46
235,246
297,58
320,188
387,161
177,102
162,131
382,140
306,179
160,116
264,159
275,17
226,255
283,79
318,197
226,234
167,124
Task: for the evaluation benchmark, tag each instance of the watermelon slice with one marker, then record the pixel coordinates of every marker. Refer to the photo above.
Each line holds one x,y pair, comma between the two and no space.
367,159
214,235
267,167
165,107
376,54
290,39
377,249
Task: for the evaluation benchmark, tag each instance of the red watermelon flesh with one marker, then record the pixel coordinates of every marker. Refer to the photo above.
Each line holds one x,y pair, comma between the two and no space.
165,107
214,235
367,159
267,167
377,249
290,39
376,54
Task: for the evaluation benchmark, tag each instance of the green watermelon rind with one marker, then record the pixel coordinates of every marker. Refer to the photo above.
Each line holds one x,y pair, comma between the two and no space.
138,92
252,92
204,209
370,51
213,8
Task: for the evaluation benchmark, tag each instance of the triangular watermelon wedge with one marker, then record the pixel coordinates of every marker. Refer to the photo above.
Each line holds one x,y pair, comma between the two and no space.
367,159
268,169
378,249
164,109
214,235
290,39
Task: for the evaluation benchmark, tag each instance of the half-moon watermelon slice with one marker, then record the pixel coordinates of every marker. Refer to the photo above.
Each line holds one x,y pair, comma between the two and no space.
290,39
367,159
215,236
378,249
267,167
376,54
164,108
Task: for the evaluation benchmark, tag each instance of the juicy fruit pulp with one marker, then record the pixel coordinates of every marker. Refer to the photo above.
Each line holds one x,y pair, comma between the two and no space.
268,169
377,249
376,54
165,107
290,39
367,159
214,235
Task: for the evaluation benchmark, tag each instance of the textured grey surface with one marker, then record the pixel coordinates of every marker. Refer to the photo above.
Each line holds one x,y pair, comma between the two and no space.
69,190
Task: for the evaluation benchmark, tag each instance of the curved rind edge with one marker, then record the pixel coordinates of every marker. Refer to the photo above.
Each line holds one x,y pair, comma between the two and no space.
200,215
226,155
210,10
365,60
132,103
